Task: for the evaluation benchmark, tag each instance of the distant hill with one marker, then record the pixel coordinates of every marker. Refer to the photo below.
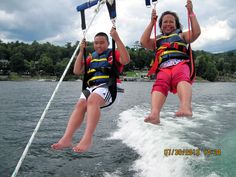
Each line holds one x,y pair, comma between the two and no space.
36,60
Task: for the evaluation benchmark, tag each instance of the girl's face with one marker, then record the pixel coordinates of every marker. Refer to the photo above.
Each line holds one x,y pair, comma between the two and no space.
100,44
168,24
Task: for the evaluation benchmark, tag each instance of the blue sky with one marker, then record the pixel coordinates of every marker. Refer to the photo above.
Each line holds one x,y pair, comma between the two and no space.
58,22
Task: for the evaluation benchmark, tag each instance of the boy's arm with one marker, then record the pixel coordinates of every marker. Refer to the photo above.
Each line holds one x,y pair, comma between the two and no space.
124,54
79,63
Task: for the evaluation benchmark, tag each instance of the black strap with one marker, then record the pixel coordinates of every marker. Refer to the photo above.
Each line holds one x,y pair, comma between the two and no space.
83,24
114,74
112,86
84,86
148,3
111,9
83,20
86,93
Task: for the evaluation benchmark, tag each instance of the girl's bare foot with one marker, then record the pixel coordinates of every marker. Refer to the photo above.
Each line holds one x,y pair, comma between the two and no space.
152,119
184,112
83,145
61,144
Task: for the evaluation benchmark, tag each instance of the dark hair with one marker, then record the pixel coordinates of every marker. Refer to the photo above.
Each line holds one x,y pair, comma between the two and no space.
178,24
102,34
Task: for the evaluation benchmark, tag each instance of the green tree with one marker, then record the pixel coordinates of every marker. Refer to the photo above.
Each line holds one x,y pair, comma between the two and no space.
233,64
200,65
211,73
31,67
227,67
220,65
46,65
4,52
60,67
17,63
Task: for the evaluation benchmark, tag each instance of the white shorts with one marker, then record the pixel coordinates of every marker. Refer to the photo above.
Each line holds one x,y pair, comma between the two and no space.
101,91
104,93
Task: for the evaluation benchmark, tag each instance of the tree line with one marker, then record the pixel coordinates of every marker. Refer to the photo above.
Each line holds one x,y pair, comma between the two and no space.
38,59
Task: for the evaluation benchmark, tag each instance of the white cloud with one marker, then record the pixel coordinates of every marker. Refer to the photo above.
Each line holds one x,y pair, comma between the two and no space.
59,22
7,19
216,32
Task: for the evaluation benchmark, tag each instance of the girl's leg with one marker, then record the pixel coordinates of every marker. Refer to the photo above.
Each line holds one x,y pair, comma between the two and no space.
159,93
182,83
184,90
158,99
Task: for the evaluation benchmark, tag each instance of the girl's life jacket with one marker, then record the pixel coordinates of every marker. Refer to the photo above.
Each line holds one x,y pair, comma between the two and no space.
169,47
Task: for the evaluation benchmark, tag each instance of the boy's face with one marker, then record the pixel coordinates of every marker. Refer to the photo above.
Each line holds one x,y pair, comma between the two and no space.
100,44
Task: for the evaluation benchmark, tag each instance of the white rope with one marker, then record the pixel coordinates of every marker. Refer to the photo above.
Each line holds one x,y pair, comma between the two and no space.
49,102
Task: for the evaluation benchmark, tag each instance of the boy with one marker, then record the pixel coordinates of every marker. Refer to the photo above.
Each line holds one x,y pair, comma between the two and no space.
98,95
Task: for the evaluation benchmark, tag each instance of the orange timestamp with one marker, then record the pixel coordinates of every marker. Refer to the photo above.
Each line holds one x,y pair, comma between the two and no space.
191,152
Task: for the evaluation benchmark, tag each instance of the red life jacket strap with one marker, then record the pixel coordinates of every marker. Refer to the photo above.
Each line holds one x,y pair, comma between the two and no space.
154,67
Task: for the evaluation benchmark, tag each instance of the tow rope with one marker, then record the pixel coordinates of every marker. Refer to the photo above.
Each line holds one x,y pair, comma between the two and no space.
15,172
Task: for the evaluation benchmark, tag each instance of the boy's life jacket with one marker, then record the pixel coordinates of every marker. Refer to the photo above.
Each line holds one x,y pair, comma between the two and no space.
100,68
169,47
103,70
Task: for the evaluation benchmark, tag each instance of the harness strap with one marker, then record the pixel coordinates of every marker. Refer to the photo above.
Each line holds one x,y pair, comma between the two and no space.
155,64
114,72
113,76
155,35
85,71
191,63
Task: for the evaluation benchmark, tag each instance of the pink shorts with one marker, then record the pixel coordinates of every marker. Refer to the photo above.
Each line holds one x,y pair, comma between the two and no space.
168,78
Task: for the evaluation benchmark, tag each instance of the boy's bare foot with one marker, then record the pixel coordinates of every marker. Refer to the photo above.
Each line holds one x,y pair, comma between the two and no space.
184,113
83,145
61,144
152,119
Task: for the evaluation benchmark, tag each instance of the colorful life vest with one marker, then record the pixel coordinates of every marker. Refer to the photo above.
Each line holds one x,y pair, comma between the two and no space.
169,47
103,68
99,68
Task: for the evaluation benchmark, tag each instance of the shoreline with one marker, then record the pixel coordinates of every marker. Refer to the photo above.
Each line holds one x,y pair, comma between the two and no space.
79,80
45,78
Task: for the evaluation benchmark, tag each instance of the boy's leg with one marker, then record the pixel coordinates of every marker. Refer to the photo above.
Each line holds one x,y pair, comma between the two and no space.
94,103
74,123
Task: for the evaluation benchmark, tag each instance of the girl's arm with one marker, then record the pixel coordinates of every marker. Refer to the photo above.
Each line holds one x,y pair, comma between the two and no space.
145,39
195,27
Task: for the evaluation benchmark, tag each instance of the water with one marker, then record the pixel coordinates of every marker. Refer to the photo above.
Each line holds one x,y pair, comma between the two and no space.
124,146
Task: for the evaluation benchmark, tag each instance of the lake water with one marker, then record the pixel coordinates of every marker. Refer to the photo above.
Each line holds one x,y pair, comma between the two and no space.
124,146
